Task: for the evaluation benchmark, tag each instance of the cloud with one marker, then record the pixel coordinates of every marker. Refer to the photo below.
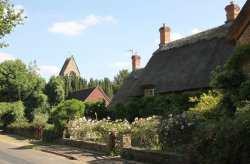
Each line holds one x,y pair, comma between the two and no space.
50,69
74,28
5,56
195,31
175,36
119,65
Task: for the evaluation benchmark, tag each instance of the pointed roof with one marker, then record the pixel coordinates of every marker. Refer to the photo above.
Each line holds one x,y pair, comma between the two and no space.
85,94
66,63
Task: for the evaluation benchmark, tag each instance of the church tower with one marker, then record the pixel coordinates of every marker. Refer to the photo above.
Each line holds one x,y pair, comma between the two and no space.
70,68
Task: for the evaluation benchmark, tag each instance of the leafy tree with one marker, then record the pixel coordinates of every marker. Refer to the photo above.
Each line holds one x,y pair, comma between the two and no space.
9,19
65,111
119,78
20,84
55,90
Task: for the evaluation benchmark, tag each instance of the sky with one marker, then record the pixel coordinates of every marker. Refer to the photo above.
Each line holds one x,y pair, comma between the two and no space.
99,33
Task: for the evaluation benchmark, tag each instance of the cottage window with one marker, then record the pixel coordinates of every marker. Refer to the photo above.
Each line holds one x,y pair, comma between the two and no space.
149,92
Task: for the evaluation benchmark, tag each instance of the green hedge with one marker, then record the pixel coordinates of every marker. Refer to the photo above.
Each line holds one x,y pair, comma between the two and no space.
174,103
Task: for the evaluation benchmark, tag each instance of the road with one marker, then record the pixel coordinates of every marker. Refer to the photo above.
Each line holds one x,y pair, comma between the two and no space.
12,154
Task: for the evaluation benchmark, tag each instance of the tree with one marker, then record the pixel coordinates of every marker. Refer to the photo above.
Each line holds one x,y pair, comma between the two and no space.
107,87
9,18
54,89
20,84
119,78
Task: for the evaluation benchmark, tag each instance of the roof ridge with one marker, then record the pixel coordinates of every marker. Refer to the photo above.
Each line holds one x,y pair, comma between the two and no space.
216,32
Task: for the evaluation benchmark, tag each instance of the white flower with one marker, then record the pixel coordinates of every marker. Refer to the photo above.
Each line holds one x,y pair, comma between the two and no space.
182,127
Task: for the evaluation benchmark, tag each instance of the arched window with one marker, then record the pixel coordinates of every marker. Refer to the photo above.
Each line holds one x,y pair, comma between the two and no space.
72,74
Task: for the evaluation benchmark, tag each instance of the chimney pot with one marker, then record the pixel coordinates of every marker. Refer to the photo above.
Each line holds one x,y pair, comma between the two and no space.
164,34
232,11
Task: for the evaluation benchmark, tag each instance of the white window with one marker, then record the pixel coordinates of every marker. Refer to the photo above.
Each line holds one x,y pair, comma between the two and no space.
149,92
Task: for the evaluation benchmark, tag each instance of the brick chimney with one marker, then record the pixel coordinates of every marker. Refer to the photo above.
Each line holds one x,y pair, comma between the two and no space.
136,62
232,11
164,34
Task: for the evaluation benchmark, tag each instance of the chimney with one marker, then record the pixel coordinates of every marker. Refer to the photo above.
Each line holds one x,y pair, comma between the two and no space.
232,11
164,34
136,62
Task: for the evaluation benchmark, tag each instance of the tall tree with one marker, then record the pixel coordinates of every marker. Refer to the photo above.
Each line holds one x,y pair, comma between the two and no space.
119,78
20,84
55,90
9,18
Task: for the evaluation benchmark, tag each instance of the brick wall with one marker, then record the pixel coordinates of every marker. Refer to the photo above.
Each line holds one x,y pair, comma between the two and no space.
96,95
245,37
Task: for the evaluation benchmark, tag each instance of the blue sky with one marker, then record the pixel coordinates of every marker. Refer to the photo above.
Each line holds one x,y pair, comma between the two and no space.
98,32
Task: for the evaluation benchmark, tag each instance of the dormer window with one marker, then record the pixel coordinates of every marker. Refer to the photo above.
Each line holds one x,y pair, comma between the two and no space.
149,92
72,74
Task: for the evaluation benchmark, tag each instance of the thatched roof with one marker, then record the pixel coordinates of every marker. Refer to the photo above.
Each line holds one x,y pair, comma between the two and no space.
185,64
128,86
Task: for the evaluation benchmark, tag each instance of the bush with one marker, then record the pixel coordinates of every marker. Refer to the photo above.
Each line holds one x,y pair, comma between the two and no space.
144,133
11,112
50,133
66,111
206,107
96,109
174,103
226,140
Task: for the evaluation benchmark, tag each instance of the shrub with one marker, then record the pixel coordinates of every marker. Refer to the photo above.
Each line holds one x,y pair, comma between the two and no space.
96,109
144,133
50,133
11,112
206,106
66,111
173,103
175,132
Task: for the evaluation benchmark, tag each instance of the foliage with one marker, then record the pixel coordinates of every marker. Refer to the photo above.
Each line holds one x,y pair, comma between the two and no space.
230,80
50,133
20,84
40,117
119,78
173,103
93,130
11,112
206,106
55,90
66,111
175,132
96,109
226,140
72,84
9,18
144,133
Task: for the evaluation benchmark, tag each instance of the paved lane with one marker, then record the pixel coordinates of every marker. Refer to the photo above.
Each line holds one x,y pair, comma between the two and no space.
12,154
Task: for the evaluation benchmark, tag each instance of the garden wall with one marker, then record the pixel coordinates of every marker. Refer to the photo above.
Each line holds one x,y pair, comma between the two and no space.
30,132
149,156
87,145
